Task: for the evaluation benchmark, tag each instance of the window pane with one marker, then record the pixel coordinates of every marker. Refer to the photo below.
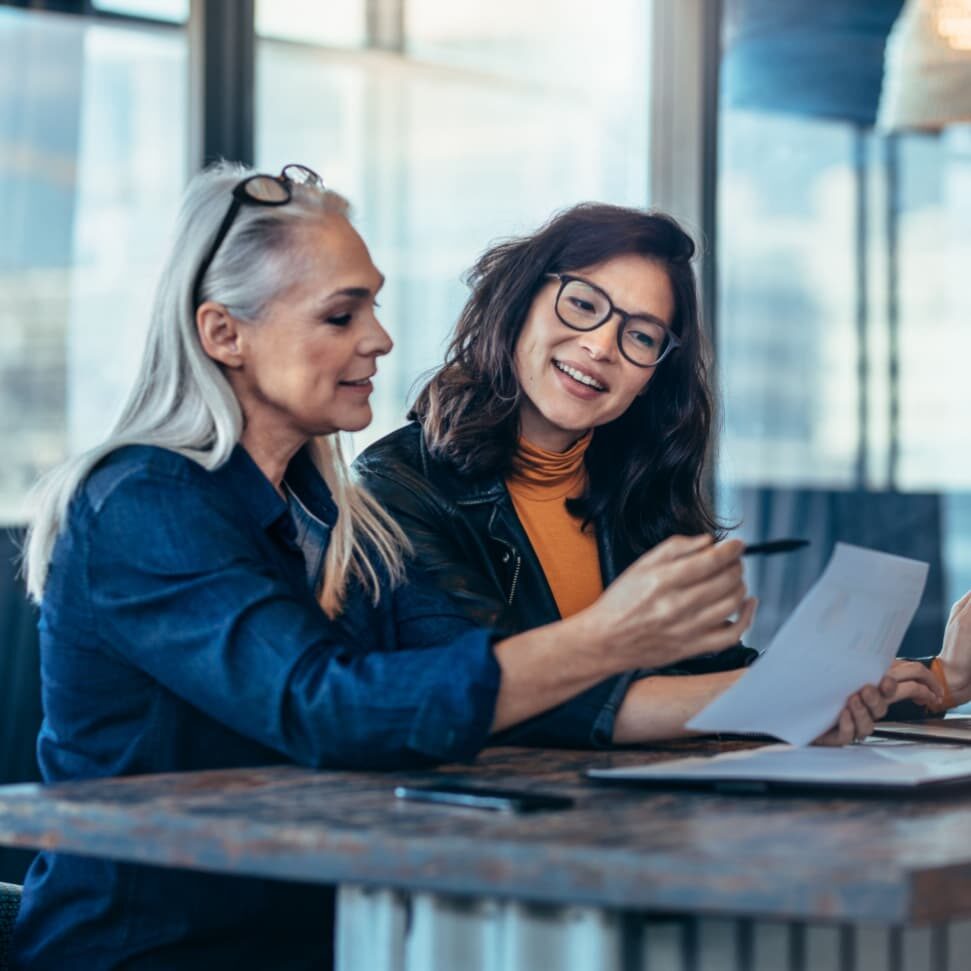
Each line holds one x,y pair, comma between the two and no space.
93,120
176,11
482,130
843,308
341,24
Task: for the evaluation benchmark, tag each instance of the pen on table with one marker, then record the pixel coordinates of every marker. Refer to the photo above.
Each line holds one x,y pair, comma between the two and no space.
774,546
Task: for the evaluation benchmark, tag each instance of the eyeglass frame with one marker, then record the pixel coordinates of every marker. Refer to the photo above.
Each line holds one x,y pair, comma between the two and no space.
240,198
566,278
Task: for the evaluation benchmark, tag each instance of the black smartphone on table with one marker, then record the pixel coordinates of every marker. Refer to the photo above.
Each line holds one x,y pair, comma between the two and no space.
484,797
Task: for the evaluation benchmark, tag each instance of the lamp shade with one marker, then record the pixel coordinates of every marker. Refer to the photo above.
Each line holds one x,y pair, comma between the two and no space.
927,67
819,59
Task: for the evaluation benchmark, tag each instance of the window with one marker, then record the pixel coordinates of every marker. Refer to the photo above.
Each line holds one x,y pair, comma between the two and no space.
93,162
843,308
486,121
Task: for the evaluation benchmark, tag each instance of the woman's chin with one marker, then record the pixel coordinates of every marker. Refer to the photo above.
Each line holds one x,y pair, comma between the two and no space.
355,422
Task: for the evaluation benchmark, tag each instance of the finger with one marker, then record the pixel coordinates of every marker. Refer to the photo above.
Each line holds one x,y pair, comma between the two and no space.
862,722
745,618
917,693
843,732
675,547
725,635
699,566
704,616
692,593
874,702
674,604
903,671
691,599
962,603
829,738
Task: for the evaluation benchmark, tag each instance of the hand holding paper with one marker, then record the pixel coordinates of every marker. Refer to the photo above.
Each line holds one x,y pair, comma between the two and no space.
843,634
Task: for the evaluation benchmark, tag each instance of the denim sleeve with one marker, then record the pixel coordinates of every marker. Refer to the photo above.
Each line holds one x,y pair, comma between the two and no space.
585,721
183,593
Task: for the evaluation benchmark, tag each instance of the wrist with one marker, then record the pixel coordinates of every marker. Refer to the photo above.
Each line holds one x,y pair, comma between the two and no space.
957,689
595,644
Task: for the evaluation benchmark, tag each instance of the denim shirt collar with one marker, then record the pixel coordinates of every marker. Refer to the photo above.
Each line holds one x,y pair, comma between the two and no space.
255,492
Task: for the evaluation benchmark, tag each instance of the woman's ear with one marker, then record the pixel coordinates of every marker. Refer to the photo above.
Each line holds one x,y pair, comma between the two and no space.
219,334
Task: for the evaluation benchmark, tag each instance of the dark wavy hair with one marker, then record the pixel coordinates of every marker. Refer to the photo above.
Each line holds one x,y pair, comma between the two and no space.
645,468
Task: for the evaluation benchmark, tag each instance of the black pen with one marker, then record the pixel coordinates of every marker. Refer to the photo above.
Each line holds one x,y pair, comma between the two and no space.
774,546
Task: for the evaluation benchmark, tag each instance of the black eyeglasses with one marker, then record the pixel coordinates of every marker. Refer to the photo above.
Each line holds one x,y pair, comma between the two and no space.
257,190
581,305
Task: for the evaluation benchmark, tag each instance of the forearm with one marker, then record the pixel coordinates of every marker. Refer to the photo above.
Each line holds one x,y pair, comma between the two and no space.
544,667
658,707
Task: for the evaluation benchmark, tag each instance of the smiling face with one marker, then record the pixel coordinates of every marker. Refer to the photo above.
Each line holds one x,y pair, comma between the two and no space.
573,381
305,366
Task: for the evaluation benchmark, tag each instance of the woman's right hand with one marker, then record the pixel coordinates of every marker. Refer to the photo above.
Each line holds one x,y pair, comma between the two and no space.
676,601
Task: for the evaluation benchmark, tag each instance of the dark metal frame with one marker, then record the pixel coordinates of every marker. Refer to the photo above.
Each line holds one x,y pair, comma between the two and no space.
222,81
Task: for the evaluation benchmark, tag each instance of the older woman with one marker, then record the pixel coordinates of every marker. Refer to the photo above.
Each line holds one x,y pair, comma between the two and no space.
215,591
564,436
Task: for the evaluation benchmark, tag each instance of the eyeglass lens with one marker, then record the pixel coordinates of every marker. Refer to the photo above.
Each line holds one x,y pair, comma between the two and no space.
267,189
583,307
275,190
301,175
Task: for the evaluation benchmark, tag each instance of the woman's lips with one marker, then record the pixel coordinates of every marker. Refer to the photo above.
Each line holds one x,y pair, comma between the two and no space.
576,388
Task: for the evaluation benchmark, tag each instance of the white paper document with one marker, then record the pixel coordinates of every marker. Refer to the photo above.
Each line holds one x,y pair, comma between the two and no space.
885,764
842,635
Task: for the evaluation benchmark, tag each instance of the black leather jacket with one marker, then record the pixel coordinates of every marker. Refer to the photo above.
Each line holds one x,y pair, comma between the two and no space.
468,539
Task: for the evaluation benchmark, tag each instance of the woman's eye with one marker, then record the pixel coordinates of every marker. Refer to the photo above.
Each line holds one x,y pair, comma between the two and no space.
585,306
647,340
341,320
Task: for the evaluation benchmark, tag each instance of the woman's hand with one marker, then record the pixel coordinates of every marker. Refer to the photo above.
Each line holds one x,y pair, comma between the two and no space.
955,654
916,683
676,601
862,709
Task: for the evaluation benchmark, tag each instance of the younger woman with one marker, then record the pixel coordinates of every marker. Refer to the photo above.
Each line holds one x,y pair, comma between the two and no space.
564,436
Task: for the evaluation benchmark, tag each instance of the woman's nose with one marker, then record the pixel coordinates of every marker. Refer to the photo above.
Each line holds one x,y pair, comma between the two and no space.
377,341
600,343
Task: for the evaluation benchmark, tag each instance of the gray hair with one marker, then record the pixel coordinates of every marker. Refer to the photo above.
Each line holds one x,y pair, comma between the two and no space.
182,401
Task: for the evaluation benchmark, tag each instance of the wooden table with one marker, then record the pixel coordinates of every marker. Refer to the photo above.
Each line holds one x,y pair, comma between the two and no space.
629,877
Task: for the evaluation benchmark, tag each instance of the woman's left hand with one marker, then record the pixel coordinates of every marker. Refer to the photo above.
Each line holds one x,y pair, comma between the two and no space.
915,682
862,709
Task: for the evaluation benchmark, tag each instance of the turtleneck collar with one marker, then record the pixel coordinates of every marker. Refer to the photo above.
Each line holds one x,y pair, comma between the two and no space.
538,473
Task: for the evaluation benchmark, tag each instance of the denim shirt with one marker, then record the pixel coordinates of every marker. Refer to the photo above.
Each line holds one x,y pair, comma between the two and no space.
180,631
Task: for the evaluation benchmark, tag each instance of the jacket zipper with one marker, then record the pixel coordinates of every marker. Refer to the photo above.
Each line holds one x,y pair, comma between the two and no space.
515,579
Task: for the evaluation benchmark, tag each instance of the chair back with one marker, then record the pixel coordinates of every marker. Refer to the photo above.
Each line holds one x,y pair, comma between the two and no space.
9,906
20,704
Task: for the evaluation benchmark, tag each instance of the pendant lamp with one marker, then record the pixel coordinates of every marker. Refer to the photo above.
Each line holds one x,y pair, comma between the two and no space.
927,67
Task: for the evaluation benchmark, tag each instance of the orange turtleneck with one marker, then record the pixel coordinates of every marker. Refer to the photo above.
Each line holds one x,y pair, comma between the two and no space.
539,485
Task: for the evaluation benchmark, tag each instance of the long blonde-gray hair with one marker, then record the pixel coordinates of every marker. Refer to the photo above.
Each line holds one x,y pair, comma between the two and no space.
182,401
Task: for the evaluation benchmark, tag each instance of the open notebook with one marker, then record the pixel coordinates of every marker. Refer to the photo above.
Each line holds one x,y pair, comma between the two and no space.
874,766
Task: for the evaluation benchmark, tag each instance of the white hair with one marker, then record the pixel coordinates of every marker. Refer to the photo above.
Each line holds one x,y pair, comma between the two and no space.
182,401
